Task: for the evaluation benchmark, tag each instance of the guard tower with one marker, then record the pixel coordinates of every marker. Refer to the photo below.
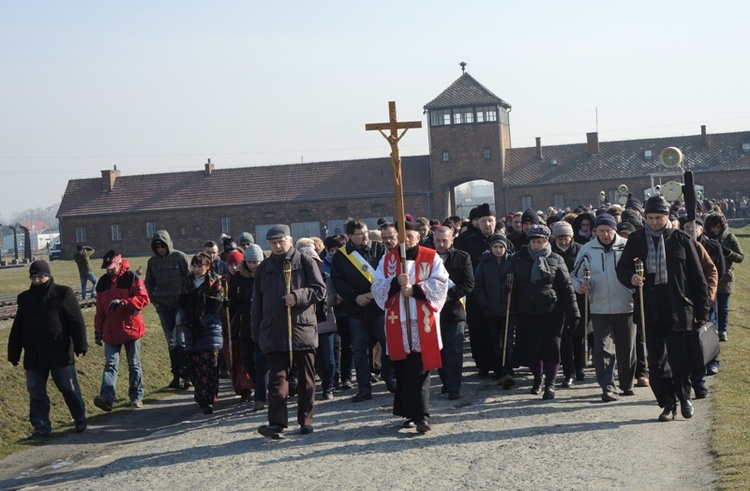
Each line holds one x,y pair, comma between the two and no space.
469,131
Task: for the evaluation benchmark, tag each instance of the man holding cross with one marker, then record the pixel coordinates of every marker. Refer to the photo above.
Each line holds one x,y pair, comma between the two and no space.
412,298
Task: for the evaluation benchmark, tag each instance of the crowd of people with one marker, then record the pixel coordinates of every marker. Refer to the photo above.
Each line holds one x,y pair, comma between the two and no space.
626,289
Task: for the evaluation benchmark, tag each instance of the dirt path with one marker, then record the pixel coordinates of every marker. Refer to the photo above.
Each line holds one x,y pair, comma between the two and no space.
489,439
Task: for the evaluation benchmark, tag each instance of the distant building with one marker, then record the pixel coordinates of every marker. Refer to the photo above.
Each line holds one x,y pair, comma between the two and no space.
469,140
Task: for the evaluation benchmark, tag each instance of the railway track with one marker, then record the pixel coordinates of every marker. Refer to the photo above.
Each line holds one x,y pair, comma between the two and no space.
8,305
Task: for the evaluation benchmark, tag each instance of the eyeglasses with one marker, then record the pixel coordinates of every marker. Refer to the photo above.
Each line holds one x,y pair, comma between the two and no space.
363,233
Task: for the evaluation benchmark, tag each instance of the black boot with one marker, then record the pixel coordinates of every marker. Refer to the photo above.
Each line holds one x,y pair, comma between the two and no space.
536,389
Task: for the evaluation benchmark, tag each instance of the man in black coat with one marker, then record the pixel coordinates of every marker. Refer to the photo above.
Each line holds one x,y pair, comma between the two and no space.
352,273
453,314
675,297
50,329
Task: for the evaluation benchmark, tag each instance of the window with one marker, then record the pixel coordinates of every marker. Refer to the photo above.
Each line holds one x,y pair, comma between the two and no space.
341,211
197,231
440,118
526,203
115,232
457,116
150,229
226,225
268,215
80,234
486,114
183,231
304,212
487,153
558,201
446,156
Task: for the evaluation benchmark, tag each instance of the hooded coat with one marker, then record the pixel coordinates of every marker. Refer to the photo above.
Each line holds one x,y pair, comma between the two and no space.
165,274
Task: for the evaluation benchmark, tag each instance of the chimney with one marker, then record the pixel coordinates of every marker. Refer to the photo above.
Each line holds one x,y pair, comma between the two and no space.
593,142
108,179
704,136
209,168
539,153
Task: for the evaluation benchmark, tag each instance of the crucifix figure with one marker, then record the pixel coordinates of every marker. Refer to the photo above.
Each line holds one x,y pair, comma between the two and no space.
393,138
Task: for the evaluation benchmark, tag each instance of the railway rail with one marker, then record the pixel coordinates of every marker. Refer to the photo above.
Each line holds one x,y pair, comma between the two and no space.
8,305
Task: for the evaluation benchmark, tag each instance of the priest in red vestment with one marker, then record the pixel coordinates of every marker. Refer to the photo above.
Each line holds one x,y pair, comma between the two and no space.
412,301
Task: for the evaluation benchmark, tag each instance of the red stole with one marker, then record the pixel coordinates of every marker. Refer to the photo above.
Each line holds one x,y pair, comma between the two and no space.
425,314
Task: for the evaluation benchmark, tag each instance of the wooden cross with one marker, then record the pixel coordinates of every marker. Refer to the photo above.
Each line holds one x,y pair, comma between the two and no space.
393,138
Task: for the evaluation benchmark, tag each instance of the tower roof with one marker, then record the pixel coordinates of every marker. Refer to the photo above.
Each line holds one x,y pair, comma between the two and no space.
465,91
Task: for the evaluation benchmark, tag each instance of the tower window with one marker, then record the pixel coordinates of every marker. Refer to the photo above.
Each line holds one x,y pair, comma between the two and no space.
487,153
446,156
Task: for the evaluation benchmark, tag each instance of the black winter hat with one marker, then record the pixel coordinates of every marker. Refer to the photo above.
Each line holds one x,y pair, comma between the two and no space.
483,210
657,204
530,216
40,267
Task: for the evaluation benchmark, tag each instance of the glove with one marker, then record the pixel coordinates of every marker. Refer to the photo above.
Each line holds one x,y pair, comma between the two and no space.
116,304
98,337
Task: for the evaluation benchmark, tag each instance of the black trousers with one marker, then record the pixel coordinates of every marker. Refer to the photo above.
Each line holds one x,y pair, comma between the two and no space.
412,398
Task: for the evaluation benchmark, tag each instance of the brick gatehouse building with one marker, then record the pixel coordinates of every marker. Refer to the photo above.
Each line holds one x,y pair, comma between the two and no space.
469,140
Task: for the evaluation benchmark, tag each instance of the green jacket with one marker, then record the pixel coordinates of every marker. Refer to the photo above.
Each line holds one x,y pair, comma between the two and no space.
165,274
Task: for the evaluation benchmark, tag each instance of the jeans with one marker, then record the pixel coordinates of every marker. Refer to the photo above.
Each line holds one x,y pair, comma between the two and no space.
361,329
67,383
85,278
722,308
111,364
175,339
326,359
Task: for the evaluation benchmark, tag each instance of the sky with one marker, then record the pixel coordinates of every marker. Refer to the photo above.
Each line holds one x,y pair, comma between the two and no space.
163,86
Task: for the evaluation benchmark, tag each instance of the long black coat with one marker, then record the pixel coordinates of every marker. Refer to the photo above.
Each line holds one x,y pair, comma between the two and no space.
48,327
489,290
686,292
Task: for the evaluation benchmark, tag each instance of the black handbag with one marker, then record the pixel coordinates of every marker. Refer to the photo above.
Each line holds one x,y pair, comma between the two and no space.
707,341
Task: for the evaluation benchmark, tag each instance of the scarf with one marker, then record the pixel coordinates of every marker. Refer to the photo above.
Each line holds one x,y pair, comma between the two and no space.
540,267
656,261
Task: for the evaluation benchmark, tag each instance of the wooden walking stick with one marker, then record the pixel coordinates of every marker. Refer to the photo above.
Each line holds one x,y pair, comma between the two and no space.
587,284
509,284
288,280
639,272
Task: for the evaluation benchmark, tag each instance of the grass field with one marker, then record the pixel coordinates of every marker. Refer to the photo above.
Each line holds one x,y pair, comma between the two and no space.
730,439
14,400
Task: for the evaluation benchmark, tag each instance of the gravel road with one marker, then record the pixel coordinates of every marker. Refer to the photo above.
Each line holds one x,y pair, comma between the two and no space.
489,439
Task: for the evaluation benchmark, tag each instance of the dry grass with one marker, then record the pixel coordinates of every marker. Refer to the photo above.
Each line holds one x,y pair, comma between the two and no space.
730,440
